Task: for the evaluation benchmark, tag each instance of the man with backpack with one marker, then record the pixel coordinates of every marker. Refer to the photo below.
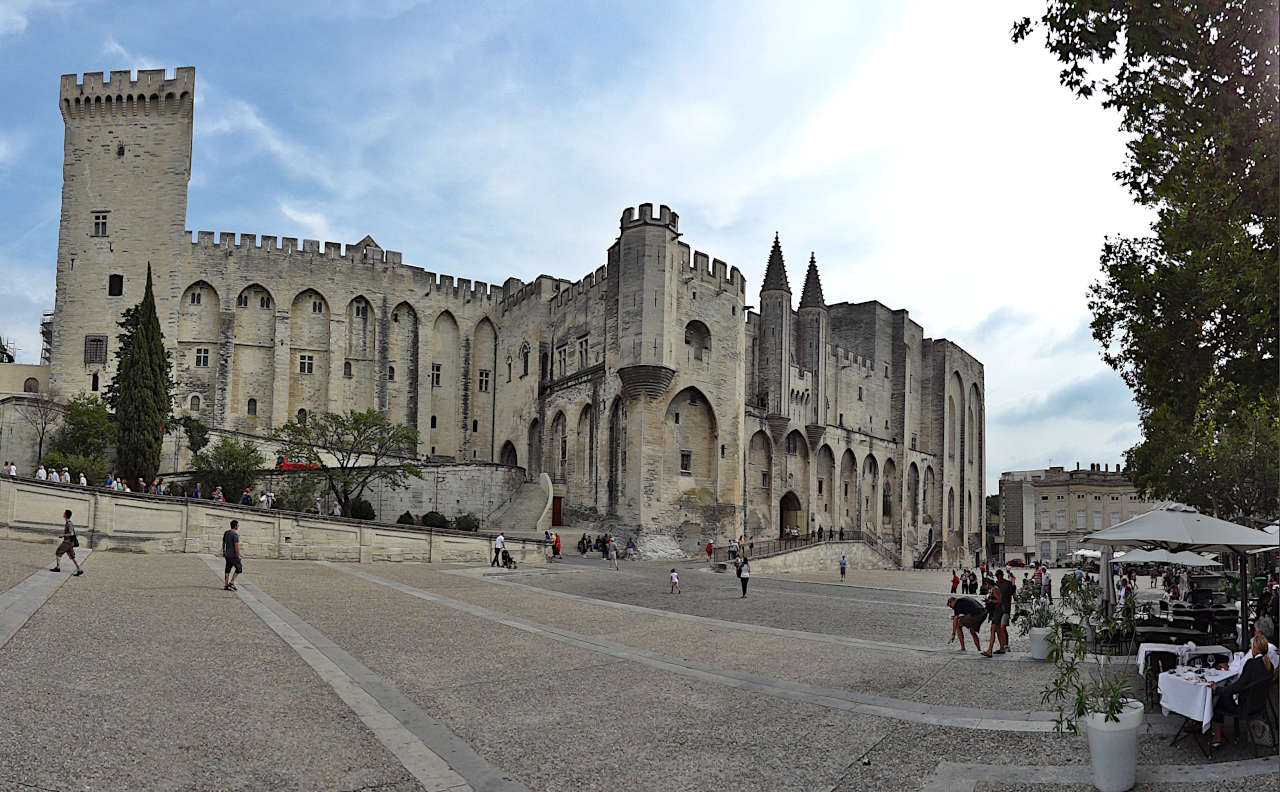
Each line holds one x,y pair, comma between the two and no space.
68,546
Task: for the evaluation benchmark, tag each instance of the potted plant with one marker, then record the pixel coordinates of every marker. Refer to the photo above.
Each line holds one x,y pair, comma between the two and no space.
1037,621
1085,689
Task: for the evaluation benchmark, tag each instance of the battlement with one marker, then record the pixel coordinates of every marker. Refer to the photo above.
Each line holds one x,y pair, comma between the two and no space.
151,93
592,284
716,273
363,255
632,218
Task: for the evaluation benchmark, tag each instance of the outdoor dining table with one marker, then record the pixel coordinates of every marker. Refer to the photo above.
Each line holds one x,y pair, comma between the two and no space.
1171,634
1198,651
1186,692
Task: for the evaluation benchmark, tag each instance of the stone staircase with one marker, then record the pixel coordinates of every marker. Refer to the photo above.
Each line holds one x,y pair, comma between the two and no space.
520,516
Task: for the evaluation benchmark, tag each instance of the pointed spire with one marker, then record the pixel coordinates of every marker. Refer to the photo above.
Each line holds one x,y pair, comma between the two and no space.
811,297
775,274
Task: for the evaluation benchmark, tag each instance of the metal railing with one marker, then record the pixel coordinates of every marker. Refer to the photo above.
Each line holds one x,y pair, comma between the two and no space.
761,548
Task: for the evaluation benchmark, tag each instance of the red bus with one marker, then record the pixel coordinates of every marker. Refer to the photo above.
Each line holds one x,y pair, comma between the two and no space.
294,463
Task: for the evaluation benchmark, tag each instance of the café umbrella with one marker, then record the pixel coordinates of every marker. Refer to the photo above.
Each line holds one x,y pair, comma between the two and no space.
1176,527
1161,556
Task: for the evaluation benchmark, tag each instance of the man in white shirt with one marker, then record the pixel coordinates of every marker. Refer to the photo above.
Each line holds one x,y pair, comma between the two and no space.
1047,580
337,509
41,475
498,542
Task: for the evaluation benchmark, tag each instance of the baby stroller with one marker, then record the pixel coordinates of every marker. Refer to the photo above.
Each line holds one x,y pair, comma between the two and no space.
507,561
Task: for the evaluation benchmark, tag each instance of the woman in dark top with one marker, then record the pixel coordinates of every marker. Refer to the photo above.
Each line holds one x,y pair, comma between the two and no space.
1253,681
995,607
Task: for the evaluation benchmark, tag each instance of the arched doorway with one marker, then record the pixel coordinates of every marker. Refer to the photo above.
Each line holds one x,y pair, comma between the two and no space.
533,463
790,515
508,454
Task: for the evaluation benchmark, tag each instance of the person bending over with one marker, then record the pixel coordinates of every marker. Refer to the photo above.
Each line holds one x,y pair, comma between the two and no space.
967,613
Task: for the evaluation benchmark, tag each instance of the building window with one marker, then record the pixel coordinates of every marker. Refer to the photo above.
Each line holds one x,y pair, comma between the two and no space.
391,373
361,311
791,444
302,416
582,352
317,306
264,301
686,462
197,297
115,285
820,486
508,368
913,442
677,418
764,479
524,360
306,364
251,408
395,316
346,368
475,425
562,360
483,383
846,489
93,382
202,357
1079,496
1044,497
722,450
859,393
31,385
99,224
95,349
433,422
242,301
195,404
435,375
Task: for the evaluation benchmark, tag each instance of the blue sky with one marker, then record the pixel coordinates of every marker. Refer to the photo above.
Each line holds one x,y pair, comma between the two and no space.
929,162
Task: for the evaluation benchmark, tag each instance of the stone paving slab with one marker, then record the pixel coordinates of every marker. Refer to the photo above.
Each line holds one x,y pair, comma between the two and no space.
18,560
146,675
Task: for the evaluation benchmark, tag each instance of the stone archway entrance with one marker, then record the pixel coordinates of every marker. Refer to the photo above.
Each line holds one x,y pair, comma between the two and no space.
790,514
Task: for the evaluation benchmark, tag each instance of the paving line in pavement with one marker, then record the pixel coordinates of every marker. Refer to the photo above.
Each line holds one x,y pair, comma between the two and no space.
868,704
20,603
413,737
960,777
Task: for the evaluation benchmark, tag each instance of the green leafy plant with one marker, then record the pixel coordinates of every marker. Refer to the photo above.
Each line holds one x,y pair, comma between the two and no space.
141,393
466,522
362,509
1041,614
406,519
434,519
229,463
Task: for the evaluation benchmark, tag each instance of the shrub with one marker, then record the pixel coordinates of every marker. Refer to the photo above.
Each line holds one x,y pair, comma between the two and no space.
466,522
362,509
406,519
434,519
94,468
230,464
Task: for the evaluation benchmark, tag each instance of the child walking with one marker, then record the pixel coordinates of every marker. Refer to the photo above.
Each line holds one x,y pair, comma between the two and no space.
675,582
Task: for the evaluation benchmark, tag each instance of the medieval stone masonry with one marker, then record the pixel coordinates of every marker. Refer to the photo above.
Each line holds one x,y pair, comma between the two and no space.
652,394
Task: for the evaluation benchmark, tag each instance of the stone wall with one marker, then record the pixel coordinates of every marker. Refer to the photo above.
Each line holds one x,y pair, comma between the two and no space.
32,511
820,558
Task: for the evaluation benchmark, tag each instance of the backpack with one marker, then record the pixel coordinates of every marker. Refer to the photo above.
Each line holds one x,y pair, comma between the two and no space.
75,538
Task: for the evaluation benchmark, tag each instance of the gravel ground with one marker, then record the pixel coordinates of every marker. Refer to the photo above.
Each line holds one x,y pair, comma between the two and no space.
162,681
20,560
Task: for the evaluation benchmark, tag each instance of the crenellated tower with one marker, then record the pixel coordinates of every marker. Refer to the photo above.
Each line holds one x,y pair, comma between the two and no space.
812,327
126,165
647,258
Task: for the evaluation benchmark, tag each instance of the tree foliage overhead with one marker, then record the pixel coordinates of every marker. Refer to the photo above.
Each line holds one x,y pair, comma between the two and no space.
351,451
140,394
1189,316
87,428
229,463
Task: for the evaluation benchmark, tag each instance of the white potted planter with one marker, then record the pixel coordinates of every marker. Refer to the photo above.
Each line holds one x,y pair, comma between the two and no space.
1113,747
1040,642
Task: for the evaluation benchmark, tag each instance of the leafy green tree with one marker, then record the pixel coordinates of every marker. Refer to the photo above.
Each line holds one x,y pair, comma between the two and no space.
94,468
229,463
351,451
466,522
197,433
406,519
87,429
1192,308
297,491
140,394
434,519
362,509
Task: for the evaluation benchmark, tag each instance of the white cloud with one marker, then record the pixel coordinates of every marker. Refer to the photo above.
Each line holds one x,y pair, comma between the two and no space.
15,15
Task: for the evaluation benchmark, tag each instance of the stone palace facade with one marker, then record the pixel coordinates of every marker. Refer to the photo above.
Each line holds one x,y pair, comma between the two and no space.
650,391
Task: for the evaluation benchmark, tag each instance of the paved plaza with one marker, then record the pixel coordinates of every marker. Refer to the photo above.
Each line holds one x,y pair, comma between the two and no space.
145,674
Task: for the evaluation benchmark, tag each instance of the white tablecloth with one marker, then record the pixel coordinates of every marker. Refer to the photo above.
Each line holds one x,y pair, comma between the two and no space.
1145,648
1192,699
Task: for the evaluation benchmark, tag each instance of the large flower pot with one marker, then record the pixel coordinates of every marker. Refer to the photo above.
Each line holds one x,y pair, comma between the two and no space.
1113,748
1040,642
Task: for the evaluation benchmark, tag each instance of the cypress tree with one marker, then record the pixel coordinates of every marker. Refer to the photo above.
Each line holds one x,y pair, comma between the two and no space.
141,391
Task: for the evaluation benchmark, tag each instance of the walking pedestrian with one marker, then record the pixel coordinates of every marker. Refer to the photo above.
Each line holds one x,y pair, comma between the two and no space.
675,581
955,581
844,565
67,546
1048,585
41,474
498,543
1007,591
995,609
231,554
613,553
744,574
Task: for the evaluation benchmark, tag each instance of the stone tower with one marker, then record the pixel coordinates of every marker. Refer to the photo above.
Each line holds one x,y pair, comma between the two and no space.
775,333
126,164
813,324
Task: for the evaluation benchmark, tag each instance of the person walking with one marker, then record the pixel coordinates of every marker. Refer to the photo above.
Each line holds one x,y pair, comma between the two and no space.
41,474
844,565
613,553
1007,592
67,546
995,609
498,543
955,581
231,554
675,581
744,575
1047,581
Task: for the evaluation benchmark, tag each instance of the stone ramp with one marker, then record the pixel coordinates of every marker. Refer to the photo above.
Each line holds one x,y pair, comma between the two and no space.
521,514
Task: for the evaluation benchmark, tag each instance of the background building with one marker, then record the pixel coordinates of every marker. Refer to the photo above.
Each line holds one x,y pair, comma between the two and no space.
1044,514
